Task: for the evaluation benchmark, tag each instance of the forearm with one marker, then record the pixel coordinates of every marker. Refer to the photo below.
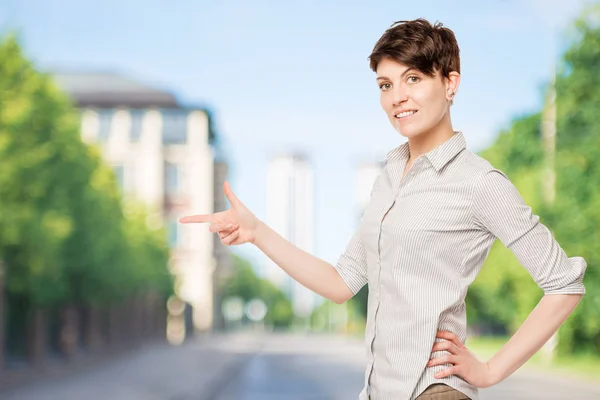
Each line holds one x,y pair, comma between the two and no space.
310,271
540,325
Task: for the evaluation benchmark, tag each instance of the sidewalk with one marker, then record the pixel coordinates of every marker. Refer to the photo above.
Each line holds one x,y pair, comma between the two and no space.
248,366
190,371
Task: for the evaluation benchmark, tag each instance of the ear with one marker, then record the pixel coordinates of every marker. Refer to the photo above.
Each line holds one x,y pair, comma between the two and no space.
452,83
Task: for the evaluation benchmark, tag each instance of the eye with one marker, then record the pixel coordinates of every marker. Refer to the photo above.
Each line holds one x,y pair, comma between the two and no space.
385,86
413,79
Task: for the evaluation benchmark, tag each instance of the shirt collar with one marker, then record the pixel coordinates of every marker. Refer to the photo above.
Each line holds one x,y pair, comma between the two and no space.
438,157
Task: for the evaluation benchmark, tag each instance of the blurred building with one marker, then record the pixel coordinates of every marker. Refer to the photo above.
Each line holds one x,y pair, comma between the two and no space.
167,156
366,173
290,212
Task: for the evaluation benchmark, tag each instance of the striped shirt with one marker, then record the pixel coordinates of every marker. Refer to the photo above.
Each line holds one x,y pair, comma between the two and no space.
421,242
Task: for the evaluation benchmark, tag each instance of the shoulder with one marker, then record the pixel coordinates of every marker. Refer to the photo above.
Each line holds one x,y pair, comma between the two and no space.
482,179
489,184
480,169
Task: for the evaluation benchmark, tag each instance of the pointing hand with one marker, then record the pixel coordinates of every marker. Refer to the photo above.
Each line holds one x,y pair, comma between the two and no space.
235,226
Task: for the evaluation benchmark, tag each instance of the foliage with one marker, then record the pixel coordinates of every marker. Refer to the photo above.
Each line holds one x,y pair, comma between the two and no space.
63,235
502,293
245,284
576,213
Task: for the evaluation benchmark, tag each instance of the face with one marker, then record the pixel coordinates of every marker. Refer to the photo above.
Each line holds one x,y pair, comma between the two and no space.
415,103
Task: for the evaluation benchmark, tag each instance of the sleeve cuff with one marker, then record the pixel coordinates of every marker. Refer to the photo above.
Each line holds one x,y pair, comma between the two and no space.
574,282
353,281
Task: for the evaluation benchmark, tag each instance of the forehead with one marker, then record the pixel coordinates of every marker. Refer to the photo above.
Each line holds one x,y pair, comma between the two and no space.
387,65
392,69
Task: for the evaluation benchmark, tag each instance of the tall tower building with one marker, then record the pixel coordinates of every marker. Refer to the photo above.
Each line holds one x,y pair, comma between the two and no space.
290,212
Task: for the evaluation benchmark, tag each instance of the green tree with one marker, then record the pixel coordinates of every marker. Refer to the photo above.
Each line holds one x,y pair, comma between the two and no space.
40,162
63,235
576,213
245,284
503,294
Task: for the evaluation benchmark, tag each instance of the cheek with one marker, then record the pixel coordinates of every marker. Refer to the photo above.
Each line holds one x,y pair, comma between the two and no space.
424,96
441,104
434,102
383,101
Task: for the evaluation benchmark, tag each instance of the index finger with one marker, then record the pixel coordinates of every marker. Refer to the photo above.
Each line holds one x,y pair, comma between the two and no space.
198,218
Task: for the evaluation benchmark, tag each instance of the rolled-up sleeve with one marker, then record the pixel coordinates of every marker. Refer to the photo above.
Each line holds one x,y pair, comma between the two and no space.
352,264
499,208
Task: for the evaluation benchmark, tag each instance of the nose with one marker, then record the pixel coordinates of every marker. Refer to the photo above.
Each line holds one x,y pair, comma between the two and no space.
399,95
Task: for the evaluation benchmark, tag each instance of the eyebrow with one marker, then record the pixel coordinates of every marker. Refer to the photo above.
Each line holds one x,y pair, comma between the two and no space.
381,78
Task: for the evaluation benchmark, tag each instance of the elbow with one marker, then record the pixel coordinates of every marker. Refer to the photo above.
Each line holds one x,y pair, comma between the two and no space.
569,283
343,296
339,300
575,289
341,290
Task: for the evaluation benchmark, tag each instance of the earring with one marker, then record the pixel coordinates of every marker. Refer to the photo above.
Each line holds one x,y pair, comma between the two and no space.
451,95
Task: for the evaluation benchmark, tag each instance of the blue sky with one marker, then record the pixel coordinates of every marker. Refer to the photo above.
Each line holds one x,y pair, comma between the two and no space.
294,75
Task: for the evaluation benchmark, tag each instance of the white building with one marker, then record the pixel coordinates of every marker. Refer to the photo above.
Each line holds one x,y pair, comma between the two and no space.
165,155
290,212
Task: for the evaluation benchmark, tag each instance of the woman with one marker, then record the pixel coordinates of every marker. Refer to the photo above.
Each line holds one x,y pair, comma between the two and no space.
434,213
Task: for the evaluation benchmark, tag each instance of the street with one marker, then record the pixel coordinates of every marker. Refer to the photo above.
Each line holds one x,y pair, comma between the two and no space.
265,367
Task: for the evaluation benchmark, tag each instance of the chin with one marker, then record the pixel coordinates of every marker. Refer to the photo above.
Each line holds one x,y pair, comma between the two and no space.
408,132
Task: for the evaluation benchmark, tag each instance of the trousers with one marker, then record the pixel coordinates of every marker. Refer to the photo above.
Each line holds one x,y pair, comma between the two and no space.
439,391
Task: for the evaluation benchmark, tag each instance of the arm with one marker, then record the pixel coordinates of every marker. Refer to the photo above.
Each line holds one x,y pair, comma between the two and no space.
308,270
499,210
239,225
540,325
544,320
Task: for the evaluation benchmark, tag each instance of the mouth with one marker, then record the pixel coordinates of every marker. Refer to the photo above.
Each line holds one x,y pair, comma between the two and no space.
405,114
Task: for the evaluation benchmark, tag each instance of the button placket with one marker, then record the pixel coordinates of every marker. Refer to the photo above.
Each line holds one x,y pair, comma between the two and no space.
377,292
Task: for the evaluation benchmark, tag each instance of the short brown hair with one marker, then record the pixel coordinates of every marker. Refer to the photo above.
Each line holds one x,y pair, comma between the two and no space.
418,44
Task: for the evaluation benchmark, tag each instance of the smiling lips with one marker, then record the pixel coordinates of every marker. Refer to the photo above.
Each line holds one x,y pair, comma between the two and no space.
404,114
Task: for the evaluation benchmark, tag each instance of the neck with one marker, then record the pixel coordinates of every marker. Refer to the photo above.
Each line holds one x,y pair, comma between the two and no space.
427,141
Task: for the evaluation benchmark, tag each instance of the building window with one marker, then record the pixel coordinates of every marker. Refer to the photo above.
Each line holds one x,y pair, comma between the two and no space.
172,179
105,118
137,117
119,172
173,233
174,126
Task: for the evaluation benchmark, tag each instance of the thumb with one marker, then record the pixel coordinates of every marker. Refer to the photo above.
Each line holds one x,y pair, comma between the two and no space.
230,195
